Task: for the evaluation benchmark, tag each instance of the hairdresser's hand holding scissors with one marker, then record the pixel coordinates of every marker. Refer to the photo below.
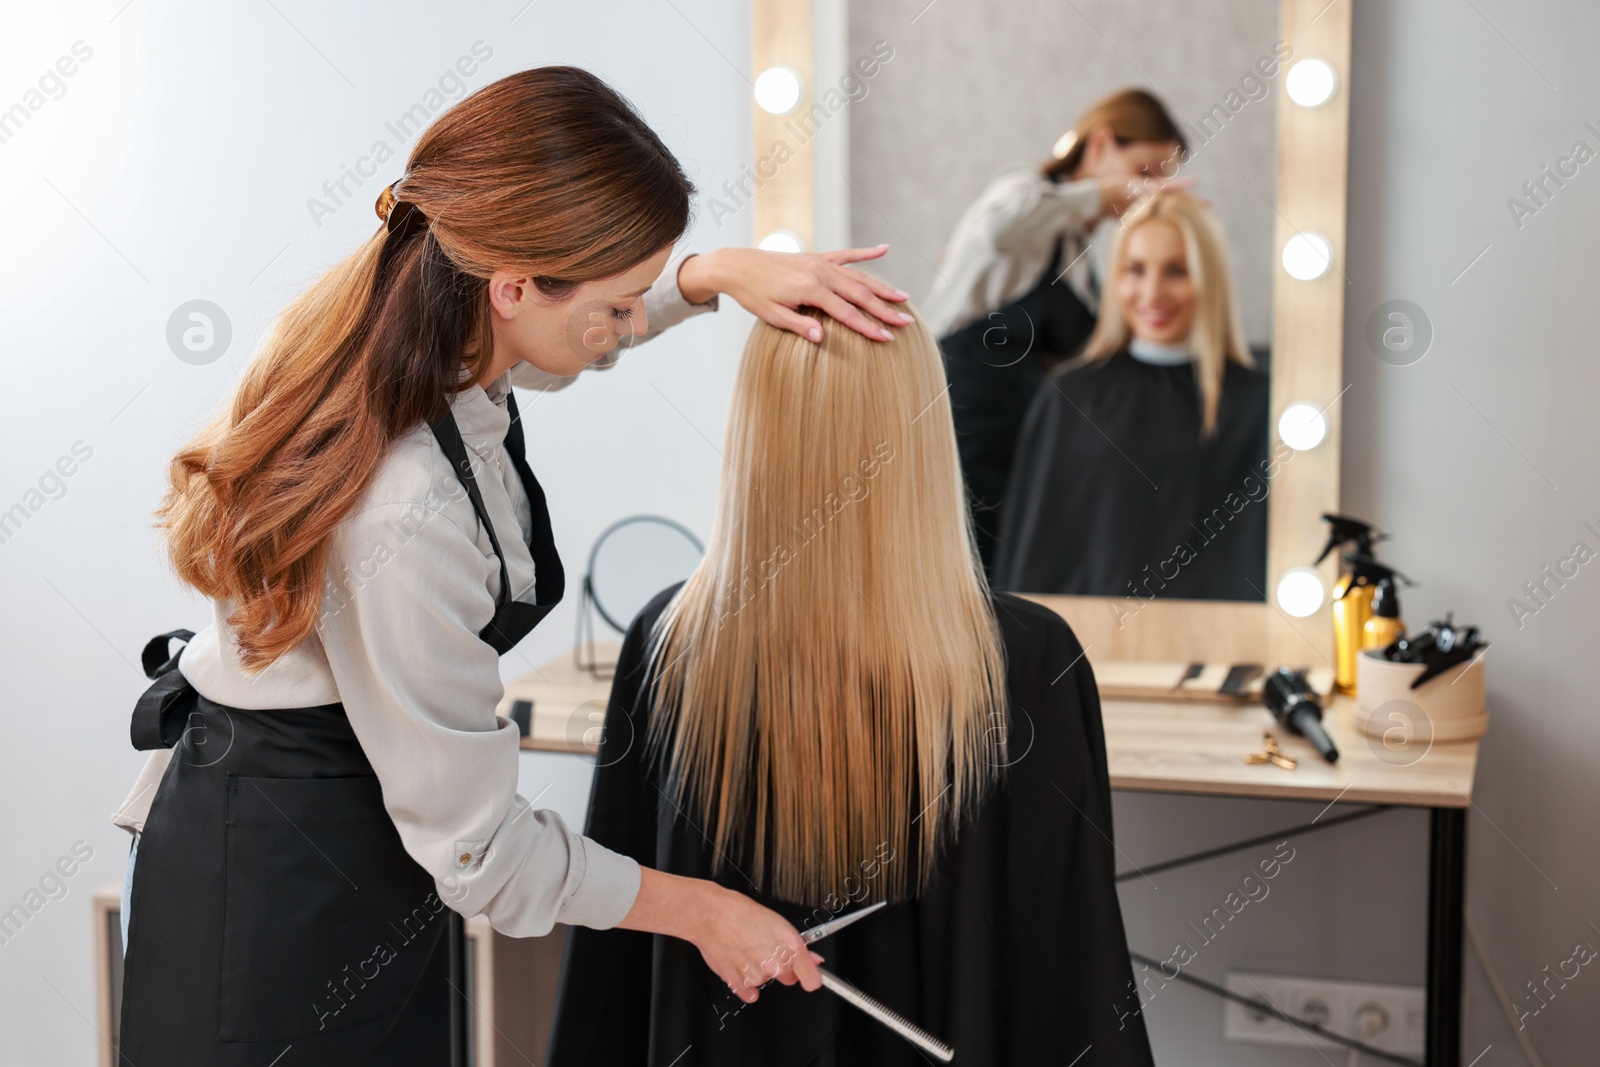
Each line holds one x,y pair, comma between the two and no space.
785,949
772,285
745,944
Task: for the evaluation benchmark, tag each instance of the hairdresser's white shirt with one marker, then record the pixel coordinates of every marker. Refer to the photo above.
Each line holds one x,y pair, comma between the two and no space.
412,580
1002,244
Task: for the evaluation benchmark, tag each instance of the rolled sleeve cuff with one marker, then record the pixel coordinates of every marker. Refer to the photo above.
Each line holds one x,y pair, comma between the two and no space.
665,304
606,891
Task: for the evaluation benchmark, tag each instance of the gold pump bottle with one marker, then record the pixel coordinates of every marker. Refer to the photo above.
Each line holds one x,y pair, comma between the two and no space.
1352,594
1366,596
1352,607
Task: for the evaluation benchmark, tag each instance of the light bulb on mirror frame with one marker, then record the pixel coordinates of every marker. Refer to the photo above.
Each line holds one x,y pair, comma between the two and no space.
1307,256
1300,592
782,241
1302,426
1311,82
778,90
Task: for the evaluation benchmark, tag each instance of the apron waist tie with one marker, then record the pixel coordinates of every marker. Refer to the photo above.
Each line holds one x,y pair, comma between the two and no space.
162,712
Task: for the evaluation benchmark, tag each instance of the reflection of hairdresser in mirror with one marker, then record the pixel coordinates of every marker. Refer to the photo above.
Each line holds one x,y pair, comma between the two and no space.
833,711
1141,469
1017,291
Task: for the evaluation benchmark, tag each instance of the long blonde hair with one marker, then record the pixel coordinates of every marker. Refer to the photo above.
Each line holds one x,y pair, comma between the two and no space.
546,170
828,679
1215,337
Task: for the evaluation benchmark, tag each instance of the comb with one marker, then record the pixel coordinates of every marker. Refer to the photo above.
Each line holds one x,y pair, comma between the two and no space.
892,1019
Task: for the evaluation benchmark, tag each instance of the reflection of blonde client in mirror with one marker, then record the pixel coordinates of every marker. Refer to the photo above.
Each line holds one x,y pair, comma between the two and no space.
834,710
1141,468
1017,291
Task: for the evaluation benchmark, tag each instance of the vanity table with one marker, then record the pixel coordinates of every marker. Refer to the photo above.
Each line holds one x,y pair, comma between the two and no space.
1165,747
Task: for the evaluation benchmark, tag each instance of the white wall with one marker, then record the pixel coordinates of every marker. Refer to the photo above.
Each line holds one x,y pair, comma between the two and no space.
177,165
1481,458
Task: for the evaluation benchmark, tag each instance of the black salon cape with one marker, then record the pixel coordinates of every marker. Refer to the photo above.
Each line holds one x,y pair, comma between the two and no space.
1111,485
1015,954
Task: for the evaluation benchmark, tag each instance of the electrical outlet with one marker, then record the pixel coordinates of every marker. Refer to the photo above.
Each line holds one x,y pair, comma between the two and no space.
1387,1017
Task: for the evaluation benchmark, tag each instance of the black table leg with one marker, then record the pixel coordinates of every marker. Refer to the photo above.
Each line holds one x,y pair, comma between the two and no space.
1447,853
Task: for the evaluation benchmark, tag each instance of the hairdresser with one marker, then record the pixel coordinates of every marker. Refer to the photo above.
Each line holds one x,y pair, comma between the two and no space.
1017,290
330,789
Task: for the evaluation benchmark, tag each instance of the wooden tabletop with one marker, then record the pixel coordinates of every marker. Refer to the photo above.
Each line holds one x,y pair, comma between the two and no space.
1175,747
1151,746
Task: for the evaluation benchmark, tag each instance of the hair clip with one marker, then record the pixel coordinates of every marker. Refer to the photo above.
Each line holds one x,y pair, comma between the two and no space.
384,206
398,210
404,217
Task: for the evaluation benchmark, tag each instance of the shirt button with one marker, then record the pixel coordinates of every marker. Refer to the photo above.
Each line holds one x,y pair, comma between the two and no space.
466,857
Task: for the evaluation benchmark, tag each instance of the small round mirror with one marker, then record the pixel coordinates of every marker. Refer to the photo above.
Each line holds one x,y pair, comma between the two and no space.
633,560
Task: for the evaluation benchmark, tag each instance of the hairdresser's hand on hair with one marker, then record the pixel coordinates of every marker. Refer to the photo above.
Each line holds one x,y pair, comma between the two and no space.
772,285
746,944
1119,192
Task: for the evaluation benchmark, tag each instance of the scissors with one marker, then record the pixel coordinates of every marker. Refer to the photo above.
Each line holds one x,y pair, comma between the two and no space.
851,995
832,926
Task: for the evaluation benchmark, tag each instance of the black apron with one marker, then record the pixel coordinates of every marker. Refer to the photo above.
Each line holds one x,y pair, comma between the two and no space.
274,910
995,365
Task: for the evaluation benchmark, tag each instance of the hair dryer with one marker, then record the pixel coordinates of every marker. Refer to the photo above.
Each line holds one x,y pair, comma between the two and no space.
1294,704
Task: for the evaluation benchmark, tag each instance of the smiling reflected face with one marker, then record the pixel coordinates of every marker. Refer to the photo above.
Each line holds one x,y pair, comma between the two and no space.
1154,287
563,336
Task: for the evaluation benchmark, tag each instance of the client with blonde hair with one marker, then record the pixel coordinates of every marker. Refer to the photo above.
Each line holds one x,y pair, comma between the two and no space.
834,710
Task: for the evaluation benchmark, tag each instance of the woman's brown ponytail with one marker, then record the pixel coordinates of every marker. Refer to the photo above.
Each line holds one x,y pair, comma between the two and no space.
547,171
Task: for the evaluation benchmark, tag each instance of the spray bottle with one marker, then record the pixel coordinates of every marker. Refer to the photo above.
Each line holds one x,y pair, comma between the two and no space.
1352,601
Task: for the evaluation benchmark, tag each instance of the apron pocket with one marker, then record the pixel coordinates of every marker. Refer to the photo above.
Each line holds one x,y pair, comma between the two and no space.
327,921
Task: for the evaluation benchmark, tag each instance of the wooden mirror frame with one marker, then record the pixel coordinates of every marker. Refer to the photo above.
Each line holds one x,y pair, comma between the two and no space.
1308,324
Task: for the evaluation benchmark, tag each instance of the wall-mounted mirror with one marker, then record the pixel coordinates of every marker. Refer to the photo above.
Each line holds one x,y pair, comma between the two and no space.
1161,494
1000,192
